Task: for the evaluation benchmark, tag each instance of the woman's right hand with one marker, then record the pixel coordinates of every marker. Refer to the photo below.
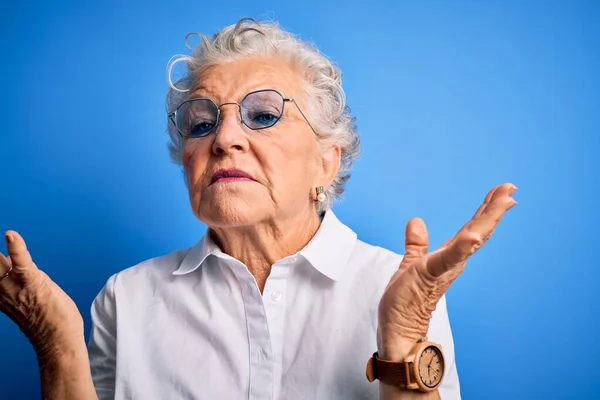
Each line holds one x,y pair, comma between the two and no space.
42,310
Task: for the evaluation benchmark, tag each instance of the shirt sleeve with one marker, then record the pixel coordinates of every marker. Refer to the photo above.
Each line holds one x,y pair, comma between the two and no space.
102,346
441,333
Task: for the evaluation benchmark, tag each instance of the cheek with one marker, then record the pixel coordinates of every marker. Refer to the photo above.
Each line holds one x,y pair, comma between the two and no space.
290,166
195,159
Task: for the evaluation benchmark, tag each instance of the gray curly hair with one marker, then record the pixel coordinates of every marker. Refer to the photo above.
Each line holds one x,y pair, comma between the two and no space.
326,100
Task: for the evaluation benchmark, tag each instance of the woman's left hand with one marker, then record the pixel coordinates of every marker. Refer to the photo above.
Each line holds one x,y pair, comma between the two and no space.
411,295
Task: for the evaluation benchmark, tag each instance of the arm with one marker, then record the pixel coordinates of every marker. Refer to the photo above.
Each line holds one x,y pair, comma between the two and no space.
51,322
388,392
439,332
65,374
410,298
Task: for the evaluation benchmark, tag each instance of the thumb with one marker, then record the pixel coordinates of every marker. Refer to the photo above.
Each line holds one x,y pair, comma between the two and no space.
17,250
416,241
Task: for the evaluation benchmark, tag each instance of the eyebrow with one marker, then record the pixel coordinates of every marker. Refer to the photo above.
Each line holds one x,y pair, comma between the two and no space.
244,89
244,94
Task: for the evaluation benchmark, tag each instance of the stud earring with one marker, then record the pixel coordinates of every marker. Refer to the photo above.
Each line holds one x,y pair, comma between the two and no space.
321,196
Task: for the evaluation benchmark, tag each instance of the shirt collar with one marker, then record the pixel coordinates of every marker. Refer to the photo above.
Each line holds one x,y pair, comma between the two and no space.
198,254
328,251
331,247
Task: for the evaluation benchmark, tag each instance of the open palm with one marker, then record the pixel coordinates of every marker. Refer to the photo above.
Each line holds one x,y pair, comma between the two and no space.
411,295
43,311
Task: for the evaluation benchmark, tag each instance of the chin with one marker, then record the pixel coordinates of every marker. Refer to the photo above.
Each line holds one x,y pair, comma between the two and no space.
230,205
229,212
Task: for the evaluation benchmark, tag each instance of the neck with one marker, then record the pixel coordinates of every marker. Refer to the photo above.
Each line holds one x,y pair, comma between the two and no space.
260,245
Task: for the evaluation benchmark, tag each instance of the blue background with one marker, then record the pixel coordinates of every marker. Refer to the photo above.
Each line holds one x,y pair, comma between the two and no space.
452,98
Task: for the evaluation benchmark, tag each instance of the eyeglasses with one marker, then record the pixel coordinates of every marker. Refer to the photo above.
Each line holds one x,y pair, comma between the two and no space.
261,109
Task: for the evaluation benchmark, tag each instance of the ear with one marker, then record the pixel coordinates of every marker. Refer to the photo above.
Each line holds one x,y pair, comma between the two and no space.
331,157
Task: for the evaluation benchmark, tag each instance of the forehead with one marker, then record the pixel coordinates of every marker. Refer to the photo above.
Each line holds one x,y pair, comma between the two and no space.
233,80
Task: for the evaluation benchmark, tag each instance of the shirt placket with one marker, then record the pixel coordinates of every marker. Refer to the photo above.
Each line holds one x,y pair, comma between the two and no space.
274,300
259,341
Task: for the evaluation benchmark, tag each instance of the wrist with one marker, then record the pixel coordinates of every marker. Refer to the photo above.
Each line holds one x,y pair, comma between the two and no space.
399,371
65,372
394,347
59,350
397,350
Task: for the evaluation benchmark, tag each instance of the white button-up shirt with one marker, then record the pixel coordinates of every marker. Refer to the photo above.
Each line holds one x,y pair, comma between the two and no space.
194,325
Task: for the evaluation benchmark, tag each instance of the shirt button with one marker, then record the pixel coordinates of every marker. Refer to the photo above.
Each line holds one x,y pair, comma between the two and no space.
276,296
260,356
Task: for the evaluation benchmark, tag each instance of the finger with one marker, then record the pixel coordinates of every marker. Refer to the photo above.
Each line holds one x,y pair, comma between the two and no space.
5,266
416,241
468,241
498,197
480,210
505,188
486,201
19,255
487,222
453,255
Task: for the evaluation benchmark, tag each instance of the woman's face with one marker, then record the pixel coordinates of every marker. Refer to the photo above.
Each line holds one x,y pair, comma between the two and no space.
284,161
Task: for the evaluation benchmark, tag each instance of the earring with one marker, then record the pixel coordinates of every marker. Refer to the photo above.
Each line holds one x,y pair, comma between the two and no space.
321,196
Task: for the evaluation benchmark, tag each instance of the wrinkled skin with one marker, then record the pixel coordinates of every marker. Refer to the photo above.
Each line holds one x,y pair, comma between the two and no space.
286,164
42,310
410,297
48,317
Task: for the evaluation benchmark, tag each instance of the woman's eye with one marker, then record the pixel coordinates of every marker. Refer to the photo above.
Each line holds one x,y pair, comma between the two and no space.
201,128
265,118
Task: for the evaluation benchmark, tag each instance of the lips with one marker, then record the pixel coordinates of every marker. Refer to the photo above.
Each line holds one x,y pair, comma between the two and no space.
231,174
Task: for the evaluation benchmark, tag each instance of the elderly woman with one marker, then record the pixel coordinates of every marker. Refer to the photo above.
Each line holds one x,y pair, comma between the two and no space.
279,300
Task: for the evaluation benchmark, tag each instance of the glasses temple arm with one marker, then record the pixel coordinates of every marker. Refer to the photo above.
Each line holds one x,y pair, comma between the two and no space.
301,113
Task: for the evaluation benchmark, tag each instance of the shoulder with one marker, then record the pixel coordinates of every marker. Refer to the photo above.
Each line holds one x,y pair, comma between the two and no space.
375,259
369,270
359,255
145,275
159,267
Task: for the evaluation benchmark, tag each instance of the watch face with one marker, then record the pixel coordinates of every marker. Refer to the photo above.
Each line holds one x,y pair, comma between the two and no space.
431,366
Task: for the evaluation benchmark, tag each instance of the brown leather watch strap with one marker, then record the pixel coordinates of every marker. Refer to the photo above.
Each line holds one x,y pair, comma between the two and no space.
392,373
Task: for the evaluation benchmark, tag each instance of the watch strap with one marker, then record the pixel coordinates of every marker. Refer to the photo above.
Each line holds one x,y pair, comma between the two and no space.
393,373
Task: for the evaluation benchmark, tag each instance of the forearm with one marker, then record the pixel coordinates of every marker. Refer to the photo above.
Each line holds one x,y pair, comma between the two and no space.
65,374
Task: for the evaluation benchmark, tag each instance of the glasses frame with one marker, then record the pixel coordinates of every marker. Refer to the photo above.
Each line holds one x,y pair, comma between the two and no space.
173,115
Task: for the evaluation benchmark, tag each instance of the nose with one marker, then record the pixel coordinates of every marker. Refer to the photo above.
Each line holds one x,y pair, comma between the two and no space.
230,136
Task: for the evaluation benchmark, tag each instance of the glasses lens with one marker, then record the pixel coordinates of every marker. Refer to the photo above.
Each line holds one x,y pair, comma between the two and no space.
262,109
197,118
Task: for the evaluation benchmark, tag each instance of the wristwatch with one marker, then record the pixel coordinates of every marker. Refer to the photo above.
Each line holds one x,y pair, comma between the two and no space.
423,368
